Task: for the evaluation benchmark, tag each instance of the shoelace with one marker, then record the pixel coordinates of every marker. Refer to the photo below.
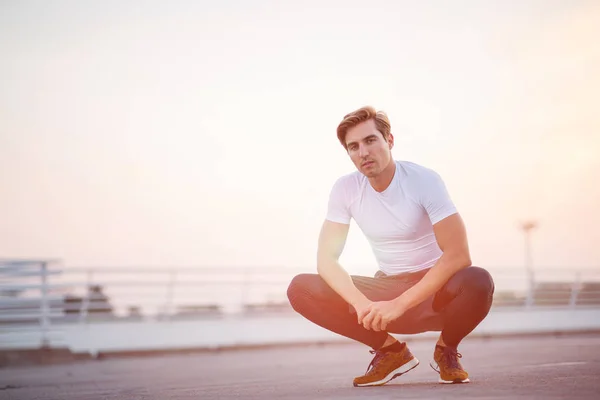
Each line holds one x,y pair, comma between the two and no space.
450,358
378,356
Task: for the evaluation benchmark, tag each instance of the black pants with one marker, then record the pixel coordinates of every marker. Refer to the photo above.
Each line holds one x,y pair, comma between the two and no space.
455,310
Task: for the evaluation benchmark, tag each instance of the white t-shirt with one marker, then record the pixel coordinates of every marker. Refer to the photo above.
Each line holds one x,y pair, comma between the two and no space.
398,222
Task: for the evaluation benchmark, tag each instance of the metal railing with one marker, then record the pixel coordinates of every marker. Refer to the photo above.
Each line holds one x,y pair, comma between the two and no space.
16,312
37,295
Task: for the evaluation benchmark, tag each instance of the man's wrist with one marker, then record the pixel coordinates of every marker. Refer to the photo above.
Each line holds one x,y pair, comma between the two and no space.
401,302
359,300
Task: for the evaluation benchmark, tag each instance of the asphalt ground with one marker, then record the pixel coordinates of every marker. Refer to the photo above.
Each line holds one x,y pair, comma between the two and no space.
564,367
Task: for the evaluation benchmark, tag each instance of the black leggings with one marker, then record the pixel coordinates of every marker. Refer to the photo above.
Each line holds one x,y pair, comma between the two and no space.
455,310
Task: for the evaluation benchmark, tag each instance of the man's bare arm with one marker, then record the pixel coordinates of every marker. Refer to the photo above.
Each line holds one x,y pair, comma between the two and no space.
451,236
332,240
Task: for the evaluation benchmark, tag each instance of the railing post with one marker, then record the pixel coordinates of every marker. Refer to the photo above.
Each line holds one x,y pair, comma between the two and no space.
170,292
44,306
85,301
530,288
575,287
527,227
245,293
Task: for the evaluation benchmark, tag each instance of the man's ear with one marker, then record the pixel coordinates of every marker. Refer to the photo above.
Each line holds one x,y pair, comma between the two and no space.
391,141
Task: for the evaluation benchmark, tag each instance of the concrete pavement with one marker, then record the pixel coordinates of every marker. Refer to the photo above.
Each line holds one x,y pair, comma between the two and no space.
501,368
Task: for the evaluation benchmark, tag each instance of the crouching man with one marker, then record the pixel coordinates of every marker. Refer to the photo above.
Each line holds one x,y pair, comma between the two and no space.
425,280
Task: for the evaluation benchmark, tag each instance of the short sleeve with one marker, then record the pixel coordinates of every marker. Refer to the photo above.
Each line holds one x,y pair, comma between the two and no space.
338,205
436,199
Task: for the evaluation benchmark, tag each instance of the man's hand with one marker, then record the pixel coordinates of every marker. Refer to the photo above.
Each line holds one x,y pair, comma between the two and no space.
379,314
362,308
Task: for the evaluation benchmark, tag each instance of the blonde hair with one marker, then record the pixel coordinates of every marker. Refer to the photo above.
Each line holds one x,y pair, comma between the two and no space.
363,114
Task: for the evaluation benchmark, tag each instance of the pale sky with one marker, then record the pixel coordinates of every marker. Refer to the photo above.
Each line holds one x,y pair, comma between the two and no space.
203,133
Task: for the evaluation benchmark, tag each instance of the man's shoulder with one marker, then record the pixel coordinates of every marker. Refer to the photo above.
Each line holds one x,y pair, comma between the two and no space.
350,179
348,185
418,178
413,169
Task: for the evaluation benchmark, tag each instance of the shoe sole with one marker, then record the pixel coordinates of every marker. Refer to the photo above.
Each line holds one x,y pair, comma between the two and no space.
401,370
431,364
454,381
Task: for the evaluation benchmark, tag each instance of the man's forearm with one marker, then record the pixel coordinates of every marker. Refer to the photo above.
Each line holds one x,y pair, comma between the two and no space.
433,280
340,281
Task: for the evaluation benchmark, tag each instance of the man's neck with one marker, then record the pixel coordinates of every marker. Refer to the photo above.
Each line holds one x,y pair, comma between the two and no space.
383,180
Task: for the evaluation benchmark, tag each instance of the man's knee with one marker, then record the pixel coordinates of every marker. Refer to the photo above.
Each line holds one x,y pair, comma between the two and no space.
298,283
477,280
303,286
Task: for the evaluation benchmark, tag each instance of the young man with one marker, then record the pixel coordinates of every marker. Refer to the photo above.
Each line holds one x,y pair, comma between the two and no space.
425,280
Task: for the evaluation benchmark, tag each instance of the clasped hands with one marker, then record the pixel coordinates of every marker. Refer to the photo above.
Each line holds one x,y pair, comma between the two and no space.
376,315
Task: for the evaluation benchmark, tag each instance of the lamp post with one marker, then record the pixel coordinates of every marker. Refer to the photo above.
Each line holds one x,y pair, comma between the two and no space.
527,227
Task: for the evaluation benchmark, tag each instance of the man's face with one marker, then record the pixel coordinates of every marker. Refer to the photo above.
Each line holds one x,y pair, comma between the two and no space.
367,148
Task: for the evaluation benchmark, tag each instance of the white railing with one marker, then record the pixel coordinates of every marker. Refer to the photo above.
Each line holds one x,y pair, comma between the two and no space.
16,312
36,295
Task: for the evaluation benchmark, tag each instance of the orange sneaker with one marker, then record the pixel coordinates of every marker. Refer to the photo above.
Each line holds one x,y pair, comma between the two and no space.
387,365
445,362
